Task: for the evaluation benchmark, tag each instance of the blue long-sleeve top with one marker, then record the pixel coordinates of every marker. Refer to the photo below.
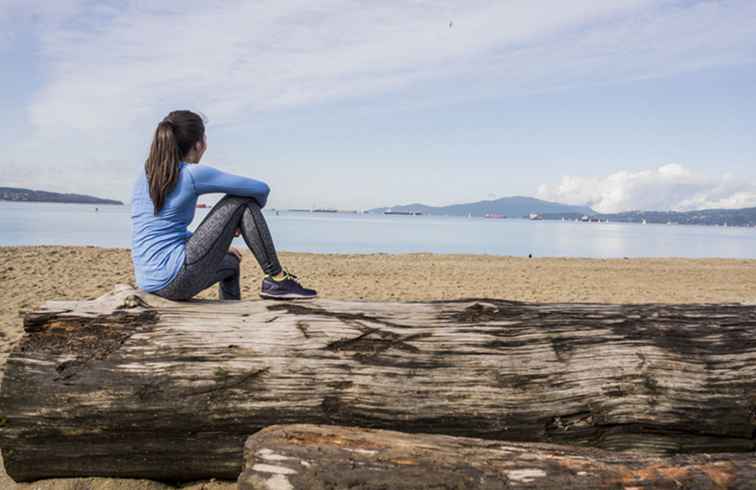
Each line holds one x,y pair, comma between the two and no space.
158,243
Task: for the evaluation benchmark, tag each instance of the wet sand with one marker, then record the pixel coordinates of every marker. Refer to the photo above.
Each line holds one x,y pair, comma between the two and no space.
29,276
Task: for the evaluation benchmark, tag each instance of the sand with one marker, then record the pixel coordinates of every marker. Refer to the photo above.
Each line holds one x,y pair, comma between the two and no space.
31,275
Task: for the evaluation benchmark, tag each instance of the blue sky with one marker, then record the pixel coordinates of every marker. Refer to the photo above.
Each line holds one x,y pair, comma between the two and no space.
625,104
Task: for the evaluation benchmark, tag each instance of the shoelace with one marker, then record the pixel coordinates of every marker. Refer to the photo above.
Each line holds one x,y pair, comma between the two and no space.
289,275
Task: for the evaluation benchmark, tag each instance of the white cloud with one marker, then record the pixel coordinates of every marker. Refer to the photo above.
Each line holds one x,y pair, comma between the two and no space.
669,187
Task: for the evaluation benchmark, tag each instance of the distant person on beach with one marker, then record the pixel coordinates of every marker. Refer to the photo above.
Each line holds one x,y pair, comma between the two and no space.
171,261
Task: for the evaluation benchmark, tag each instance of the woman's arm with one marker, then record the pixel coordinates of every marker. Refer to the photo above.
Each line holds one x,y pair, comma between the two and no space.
208,180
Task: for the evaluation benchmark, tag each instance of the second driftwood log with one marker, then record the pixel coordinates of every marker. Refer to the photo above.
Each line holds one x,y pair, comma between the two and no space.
309,457
131,385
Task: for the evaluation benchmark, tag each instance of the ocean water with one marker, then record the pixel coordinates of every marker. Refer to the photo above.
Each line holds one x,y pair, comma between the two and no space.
110,226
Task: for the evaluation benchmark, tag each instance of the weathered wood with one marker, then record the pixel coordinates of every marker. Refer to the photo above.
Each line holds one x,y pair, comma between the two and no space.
132,385
310,457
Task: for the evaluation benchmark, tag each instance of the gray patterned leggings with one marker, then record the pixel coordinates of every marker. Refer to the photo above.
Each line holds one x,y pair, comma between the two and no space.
207,257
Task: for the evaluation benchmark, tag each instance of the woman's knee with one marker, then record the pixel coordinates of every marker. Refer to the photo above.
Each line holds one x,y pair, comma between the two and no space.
231,208
252,206
239,200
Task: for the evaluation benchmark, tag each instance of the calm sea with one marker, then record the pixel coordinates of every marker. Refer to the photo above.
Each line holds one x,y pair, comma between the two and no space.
110,226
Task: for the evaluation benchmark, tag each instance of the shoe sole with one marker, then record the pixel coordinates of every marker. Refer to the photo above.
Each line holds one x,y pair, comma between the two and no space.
285,296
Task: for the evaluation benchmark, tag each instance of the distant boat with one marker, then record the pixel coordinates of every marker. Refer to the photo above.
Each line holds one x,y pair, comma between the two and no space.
535,216
494,216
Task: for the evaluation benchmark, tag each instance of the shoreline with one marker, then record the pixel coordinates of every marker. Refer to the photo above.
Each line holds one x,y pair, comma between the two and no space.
560,219
461,255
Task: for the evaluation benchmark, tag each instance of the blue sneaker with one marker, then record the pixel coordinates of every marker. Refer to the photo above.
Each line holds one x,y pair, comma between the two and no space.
286,288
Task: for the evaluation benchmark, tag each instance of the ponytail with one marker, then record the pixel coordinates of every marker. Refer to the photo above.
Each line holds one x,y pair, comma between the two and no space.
174,138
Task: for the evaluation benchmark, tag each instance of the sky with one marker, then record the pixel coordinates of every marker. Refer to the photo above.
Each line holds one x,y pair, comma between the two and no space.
618,104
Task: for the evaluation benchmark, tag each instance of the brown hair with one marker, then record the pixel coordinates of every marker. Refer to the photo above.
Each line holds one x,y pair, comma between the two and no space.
174,137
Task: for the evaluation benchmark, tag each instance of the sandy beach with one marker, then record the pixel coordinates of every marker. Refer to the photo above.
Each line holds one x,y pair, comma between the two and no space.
29,276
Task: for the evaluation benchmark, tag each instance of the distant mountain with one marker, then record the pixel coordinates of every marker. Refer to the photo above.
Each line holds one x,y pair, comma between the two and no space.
28,195
513,207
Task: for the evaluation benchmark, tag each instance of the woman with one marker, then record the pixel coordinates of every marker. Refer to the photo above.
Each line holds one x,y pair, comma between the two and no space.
171,261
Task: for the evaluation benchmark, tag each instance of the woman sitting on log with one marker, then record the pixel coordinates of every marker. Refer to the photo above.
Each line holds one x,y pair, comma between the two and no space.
171,261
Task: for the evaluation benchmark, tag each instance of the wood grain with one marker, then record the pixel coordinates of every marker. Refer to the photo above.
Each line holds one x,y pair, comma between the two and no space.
131,385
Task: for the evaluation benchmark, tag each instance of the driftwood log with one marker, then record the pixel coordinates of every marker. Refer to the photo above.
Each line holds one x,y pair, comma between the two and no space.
309,457
131,385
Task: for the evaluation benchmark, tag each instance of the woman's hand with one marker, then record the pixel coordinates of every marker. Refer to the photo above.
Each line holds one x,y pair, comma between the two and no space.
236,252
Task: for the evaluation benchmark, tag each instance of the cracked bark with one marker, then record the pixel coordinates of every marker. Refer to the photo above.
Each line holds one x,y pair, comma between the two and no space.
131,385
